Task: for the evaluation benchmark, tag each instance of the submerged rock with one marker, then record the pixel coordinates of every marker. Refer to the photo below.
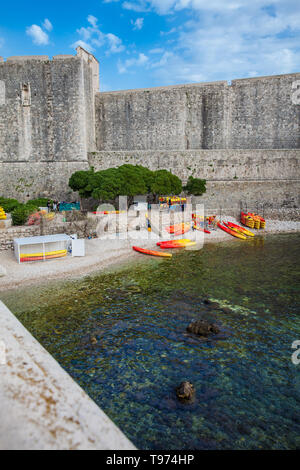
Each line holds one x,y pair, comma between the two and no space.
226,310
203,328
185,391
210,303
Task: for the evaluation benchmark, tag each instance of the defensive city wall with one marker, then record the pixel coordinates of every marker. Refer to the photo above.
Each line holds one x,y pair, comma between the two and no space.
243,137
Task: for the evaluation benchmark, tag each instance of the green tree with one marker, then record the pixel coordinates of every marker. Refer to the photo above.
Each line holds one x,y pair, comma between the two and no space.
81,181
195,186
126,180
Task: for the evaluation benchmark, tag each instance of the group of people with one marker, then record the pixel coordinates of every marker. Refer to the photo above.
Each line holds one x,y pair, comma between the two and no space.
53,205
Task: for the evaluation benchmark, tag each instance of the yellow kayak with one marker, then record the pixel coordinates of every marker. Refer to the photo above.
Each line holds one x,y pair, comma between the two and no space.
239,229
49,253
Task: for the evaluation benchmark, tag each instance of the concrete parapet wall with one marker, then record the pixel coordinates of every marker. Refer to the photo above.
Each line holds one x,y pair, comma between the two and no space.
41,406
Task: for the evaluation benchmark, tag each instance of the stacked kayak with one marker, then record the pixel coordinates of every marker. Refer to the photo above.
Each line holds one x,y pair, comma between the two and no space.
25,257
259,222
145,251
2,214
252,220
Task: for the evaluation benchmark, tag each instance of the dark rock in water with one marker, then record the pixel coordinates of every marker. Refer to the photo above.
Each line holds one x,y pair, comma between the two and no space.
226,310
203,328
185,392
210,303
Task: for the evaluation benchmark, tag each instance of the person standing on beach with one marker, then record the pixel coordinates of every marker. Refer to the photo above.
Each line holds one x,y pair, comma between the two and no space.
48,205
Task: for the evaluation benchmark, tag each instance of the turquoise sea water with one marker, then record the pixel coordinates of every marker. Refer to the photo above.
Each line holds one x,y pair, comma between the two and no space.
122,336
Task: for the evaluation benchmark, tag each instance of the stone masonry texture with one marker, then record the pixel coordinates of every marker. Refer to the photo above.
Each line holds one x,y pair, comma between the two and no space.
242,137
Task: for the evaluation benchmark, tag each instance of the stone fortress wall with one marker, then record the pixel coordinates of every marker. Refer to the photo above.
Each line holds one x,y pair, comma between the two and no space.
46,121
244,138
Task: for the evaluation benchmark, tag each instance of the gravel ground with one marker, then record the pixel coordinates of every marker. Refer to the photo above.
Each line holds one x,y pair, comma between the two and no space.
102,253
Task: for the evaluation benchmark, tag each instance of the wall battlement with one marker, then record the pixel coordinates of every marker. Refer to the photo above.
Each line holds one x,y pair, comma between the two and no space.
47,123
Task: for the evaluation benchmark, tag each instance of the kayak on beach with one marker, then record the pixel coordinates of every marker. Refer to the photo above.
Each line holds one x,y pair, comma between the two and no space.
182,241
177,245
145,251
178,229
39,258
243,230
232,232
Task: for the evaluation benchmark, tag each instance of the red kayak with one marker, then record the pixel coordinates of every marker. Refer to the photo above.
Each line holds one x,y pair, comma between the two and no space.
178,229
172,245
231,232
145,251
176,242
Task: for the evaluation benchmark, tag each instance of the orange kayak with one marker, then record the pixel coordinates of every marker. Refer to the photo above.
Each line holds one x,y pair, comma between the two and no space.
232,232
240,229
178,229
182,241
145,251
177,245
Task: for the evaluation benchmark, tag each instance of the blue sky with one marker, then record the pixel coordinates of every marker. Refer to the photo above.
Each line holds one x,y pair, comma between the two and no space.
146,43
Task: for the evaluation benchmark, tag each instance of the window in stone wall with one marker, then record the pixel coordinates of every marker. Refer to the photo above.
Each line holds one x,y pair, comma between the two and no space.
25,94
2,92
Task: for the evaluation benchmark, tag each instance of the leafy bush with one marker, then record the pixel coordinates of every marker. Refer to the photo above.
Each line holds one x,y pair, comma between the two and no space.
195,186
39,202
21,213
8,204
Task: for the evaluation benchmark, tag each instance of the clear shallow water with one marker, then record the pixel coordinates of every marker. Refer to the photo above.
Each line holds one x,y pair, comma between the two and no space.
122,337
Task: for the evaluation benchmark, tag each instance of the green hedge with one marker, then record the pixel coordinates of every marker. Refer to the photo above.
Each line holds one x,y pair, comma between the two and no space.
9,204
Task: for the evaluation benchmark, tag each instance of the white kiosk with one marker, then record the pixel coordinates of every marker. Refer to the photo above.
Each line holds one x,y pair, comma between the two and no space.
31,249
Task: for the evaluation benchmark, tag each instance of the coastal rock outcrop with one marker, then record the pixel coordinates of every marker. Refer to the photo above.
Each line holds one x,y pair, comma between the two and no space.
185,392
202,328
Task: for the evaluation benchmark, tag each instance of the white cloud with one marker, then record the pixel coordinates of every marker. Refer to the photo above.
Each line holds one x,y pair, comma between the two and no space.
138,23
139,61
83,44
92,37
141,6
226,40
38,36
93,21
47,25
157,50
115,43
